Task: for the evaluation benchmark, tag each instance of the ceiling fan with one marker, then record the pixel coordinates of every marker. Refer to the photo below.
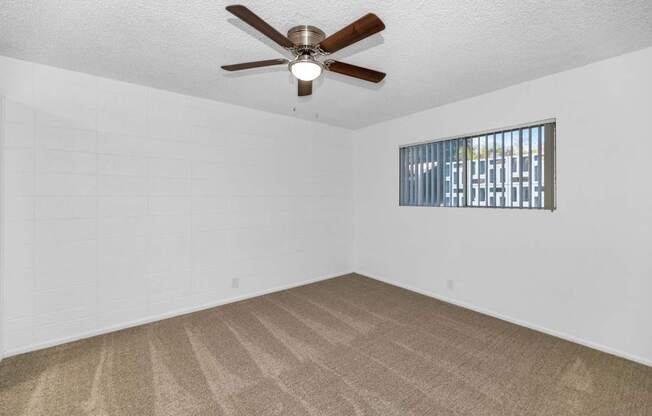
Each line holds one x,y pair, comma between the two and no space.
307,44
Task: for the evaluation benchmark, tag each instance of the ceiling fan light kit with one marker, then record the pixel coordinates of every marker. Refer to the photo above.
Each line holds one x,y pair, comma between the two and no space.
307,44
305,68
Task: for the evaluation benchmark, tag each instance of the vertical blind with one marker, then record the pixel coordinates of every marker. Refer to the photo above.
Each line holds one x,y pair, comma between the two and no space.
511,168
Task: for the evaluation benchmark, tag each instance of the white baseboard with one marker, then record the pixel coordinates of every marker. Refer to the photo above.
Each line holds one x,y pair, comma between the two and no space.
154,318
554,333
434,295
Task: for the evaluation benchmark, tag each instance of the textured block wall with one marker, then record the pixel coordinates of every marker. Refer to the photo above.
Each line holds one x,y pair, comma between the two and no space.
125,203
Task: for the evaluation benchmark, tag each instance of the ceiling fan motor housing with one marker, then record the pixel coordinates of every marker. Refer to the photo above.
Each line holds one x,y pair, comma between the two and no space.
306,36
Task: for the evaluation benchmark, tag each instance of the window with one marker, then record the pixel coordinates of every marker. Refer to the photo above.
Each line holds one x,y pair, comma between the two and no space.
461,172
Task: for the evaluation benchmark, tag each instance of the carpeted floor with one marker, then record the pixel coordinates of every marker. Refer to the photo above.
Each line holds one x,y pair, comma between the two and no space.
345,346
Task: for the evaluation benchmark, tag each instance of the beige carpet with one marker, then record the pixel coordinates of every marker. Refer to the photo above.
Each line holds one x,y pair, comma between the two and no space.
345,346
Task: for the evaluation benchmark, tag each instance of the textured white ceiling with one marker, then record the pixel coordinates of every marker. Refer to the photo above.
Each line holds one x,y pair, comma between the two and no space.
434,52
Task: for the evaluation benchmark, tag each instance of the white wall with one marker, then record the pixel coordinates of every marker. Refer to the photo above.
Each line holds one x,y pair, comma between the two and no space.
584,271
2,227
126,203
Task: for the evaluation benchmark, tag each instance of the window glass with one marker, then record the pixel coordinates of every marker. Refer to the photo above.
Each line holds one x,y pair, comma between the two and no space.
511,168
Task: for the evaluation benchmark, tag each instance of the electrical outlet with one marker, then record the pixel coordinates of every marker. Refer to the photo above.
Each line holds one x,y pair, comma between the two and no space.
450,284
235,282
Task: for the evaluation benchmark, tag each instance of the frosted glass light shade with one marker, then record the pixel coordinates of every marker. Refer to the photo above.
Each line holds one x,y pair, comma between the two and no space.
305,68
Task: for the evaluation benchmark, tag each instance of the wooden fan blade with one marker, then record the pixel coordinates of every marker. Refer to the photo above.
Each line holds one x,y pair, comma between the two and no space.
355,32
256,64
305,88
259,24
355,71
